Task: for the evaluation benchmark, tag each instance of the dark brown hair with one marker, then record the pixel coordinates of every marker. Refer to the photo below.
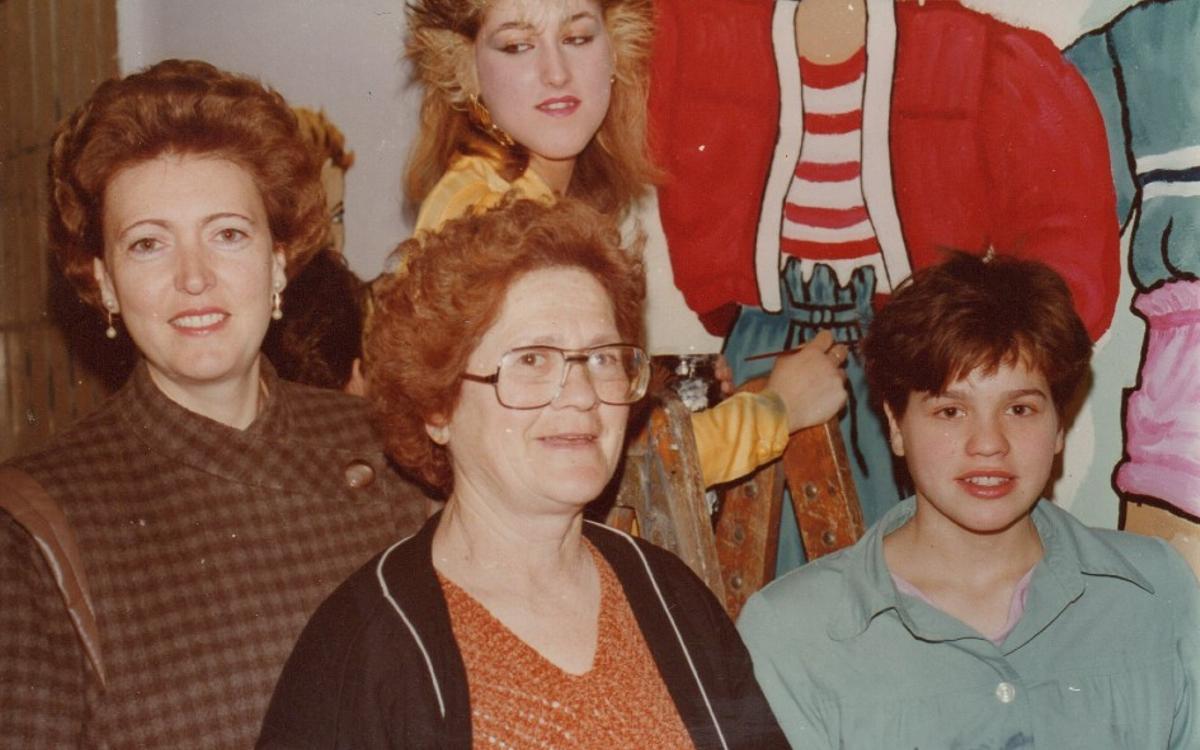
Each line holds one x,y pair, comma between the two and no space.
184,107
320,334
428,318
967,313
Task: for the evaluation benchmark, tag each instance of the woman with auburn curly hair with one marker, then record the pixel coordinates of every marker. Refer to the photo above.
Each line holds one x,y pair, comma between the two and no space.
158,559
503,366
547,98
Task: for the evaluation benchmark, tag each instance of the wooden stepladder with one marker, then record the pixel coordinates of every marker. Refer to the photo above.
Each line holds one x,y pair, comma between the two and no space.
661,493
817,470
661,498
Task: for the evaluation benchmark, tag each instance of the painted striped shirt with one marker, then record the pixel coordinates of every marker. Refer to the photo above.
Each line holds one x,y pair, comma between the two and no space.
825,215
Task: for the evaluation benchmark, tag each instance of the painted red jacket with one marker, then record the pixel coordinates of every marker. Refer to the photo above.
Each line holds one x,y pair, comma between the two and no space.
976,134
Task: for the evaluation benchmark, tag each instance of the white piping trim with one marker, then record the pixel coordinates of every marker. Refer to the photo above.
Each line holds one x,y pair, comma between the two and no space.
437,690
678,636
767,259
1180,158
877,151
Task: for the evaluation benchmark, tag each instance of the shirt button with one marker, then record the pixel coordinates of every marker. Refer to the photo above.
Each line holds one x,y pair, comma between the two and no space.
1006,692
358,474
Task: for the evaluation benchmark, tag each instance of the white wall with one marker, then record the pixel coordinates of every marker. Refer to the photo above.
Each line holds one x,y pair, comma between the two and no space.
345,57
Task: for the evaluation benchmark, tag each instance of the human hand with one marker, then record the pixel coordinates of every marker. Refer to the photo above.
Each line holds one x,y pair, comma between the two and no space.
724,375
811,381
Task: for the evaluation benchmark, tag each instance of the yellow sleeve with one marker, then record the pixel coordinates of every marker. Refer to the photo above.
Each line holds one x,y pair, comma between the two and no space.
453,198
740,434
472,185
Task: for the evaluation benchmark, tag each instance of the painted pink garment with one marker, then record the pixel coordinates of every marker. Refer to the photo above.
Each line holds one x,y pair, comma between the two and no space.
1162,414
1016,607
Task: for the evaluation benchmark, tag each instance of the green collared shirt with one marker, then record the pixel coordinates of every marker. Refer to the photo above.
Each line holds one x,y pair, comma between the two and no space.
1106,654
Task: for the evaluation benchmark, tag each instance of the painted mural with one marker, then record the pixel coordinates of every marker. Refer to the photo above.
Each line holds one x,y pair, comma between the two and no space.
1144,70
819,151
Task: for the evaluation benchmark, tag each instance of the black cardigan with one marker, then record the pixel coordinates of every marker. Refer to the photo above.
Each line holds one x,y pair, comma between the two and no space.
378,666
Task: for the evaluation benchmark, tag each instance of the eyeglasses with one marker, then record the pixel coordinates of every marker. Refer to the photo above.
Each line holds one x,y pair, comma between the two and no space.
530,377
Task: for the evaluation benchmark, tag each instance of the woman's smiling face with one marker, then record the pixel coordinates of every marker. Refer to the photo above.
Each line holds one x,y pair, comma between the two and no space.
190,264
545,71
554,458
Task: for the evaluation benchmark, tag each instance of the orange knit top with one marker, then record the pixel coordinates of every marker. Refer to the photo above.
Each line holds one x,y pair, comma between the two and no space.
521,700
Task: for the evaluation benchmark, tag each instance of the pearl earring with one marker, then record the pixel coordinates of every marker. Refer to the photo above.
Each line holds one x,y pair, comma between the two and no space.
111,331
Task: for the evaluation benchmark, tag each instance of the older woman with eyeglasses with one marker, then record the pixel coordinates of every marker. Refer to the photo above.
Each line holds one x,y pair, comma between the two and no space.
503,365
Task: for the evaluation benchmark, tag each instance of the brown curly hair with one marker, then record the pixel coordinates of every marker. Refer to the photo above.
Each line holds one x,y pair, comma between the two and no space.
179,107
429,319
611,172
325,137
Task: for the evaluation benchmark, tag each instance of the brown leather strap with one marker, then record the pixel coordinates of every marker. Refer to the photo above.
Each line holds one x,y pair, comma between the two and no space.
748,534
823,495
25,500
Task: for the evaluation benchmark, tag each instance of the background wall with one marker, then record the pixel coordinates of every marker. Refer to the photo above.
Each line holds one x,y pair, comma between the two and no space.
345,57
53,54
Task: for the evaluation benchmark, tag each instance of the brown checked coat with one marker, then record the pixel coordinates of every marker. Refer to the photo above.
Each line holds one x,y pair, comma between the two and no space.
205,550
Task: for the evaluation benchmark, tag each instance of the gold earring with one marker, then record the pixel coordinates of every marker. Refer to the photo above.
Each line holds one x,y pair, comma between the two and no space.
276,305
479,114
